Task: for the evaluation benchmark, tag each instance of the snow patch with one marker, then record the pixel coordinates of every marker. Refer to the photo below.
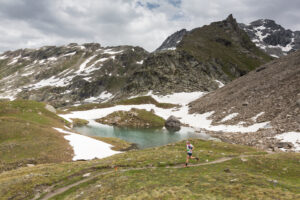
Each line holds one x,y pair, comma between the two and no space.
112,52
273,55
140,62
83,65
292,137
229,117
86,148
104,96
197,121
257,116
69,54
52,81
3,57
220,84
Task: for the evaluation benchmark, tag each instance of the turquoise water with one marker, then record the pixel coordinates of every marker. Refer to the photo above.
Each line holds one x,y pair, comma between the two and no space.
144,138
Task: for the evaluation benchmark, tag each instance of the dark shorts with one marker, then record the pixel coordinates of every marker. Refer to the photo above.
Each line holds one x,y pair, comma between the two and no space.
189,154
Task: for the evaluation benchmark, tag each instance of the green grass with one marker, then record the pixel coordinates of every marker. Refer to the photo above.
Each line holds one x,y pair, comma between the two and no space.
135,118
79,122
27,135
118,144
265,176
241,54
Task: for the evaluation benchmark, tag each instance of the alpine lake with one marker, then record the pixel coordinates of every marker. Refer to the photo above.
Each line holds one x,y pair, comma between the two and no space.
143,138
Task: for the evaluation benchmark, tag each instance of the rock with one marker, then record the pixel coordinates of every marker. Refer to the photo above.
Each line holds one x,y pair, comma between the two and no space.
245,103
50,108
298,102
227,170
30,165
173,124
285,145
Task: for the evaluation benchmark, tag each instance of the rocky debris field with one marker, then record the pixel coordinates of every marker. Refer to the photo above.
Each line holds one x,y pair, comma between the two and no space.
267,94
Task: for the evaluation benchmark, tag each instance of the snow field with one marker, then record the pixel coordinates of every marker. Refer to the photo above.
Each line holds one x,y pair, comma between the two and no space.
86,148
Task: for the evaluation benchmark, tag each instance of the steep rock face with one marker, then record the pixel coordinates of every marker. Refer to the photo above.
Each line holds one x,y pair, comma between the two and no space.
272,38
220,51
172,41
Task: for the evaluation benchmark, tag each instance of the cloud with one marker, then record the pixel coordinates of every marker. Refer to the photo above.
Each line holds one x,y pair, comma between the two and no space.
146,23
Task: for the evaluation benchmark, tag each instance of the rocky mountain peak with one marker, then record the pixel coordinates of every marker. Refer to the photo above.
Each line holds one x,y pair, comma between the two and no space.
172,41
272,37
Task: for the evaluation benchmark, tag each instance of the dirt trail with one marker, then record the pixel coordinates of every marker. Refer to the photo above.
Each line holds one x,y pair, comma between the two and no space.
65,188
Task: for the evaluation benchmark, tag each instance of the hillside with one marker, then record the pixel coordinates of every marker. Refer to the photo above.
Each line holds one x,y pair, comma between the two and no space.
67,74
27,136
224,171
270,94
88,73
271,37
220,51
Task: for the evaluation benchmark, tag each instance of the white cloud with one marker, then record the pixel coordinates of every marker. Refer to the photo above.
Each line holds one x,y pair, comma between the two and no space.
146,23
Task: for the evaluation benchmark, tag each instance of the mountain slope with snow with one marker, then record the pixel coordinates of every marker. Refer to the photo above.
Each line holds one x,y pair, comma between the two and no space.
272,38
204,58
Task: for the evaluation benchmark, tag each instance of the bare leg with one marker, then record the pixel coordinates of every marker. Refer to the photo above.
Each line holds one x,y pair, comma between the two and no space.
187,160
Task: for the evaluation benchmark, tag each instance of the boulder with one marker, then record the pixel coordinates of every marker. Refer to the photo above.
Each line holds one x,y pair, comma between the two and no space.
285,145
50,108
172,124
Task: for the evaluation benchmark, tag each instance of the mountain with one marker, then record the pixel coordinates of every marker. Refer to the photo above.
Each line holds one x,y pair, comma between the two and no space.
77,74
272,38
172,41
67,74
271,93
204,56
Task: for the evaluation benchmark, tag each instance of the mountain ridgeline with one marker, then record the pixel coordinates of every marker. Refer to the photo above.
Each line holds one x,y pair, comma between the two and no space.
88,73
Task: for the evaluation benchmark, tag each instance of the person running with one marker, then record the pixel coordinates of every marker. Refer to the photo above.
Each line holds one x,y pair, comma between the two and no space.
189,149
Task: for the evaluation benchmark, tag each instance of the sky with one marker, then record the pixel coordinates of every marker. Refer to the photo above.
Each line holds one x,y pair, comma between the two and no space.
145,23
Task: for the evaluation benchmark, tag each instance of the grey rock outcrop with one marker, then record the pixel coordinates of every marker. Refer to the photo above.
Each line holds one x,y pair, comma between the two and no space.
173,124
173,40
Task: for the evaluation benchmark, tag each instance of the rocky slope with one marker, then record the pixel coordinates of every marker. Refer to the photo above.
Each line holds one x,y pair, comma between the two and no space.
272,38
67,74
220,51
77,74
172,41
271,93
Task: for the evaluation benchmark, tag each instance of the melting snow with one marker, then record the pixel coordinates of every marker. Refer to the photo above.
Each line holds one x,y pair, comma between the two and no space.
110,51
273,55
103,96
293,137
69,54
3,57
83,65
140,62
229,117
15,60
257,116
52,81
220,83
194,120
86,148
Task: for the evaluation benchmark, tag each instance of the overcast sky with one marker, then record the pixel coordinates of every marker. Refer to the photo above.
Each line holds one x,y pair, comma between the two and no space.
145,23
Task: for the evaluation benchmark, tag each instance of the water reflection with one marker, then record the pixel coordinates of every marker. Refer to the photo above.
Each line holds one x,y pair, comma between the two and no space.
144,138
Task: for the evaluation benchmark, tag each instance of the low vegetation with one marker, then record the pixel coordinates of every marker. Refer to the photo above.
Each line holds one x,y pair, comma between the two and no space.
133,101
79,122
27,135
135,118
118,144
157,173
